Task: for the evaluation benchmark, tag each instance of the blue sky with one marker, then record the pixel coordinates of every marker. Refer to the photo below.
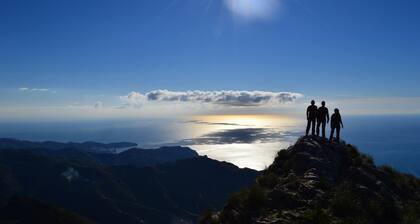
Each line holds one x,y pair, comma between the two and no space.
94,52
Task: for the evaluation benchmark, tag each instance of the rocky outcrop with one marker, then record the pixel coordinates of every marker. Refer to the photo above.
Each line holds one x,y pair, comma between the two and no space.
315,181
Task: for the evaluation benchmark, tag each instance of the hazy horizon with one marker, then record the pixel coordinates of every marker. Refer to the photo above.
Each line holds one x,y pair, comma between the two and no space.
247,140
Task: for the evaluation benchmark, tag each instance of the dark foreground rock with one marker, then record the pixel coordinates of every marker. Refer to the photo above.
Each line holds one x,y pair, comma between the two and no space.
315,181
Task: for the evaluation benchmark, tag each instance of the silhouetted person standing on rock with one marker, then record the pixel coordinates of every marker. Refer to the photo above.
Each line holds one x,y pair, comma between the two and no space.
336,124
311,116
322,118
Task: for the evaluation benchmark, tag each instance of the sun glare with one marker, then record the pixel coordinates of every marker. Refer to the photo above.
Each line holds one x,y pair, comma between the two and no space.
249,120
255,155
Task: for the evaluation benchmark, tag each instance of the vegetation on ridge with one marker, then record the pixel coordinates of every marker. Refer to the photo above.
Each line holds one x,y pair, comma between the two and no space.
315,182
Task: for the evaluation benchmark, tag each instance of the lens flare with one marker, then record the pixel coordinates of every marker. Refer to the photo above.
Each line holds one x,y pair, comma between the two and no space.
252,9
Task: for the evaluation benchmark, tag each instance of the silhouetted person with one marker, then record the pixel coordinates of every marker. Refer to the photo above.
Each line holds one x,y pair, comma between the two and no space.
322,118
311,116
336,124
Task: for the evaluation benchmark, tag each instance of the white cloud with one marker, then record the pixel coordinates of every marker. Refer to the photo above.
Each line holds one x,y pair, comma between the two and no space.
23,89
253,9
40,90
223,98
26,89
134,99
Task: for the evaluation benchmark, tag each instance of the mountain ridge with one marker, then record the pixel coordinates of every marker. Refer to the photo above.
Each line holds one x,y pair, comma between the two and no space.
11,143
105,154
314,181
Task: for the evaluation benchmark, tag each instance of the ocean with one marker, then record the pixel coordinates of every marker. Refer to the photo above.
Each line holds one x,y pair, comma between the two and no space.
245,140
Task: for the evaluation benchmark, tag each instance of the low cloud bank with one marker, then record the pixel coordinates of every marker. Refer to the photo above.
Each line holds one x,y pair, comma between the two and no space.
225,97
26,89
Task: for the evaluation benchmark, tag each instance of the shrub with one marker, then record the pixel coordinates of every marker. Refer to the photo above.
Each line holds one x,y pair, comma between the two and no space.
367,159
282,155
268,180
352,152
238,199
412,214
388,169
353,156
208,217
407,184
374,210
344,203
324,183
256,197
316,216
357,220
391,212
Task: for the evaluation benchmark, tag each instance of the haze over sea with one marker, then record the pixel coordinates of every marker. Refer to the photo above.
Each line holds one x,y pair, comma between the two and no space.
245,140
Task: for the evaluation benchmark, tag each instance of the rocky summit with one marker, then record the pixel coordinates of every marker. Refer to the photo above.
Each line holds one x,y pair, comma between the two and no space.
315,181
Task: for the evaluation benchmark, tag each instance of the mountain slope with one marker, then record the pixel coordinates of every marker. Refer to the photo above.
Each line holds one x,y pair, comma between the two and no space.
318,182
25,210
119,194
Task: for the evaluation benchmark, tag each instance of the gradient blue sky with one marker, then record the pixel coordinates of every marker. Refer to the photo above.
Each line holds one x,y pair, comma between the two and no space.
83,52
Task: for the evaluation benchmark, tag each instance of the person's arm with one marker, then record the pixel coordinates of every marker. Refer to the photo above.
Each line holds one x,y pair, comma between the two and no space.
341,122
328,116
307,113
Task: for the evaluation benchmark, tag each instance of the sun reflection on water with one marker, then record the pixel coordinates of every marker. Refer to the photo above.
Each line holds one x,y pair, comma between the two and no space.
245,140
259,121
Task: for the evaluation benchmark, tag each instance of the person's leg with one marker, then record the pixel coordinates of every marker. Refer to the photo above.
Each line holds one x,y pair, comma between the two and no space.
332,134
313,127
318,123
308,126
338,134
323,129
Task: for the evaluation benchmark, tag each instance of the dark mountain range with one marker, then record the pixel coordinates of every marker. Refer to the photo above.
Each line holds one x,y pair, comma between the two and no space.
94,187
7,143
145,157
315,182
104,154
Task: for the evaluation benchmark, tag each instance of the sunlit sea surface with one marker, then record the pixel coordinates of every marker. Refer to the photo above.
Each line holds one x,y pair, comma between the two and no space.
245,140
